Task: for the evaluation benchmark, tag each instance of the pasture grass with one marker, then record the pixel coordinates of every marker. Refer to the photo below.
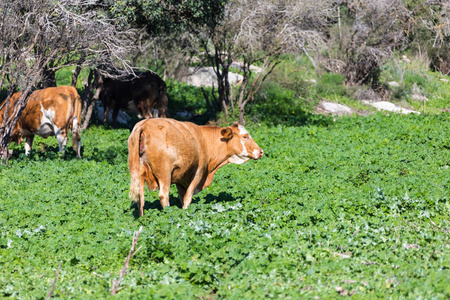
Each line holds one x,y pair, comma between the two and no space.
356,207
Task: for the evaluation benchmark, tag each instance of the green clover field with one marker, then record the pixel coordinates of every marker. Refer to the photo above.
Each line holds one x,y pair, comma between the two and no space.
355,207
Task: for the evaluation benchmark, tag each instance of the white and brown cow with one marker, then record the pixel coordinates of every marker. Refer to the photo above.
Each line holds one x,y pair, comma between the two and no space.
162,152
49,112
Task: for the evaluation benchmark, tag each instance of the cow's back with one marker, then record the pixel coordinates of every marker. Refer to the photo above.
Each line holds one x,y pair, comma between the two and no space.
49,112
54,105
136,94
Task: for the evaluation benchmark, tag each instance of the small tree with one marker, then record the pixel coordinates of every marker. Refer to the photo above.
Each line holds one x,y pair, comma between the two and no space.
258,32
429,32
363,37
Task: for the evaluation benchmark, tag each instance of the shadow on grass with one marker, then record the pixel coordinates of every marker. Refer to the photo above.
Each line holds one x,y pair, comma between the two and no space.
153,204
44,153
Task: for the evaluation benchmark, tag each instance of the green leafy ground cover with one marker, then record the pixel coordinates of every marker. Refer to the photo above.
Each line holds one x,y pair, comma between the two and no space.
357,207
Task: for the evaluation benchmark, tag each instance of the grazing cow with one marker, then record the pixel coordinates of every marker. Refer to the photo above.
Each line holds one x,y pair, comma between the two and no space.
165,151
49,112
137,94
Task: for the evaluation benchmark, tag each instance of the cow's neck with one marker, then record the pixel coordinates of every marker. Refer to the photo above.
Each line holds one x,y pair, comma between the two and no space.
216,149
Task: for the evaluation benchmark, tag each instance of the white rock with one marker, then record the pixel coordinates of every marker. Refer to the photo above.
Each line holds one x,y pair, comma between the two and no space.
388,106
207,77
333,108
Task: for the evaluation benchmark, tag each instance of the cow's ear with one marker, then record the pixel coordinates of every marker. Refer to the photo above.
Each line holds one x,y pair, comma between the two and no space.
236,124
226,133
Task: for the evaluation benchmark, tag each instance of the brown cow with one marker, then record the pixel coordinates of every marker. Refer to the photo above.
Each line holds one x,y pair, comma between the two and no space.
137,94
165,151
49,112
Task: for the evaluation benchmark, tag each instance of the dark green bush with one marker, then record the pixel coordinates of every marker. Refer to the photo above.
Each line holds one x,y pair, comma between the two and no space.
277,105
409,79
186,98
332,85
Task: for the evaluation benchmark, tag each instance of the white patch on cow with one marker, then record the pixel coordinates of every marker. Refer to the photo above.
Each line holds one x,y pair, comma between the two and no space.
75,124
46,128
131,106
243,156
256,153
243,131
244,149
235,159
28,143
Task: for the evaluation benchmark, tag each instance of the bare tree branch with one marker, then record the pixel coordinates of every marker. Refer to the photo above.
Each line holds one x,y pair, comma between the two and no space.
116,283
54,282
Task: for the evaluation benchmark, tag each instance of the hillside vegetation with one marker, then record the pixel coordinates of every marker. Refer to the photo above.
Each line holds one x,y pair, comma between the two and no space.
359,206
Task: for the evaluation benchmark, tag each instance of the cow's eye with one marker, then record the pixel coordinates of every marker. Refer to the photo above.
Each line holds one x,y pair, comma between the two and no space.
245,136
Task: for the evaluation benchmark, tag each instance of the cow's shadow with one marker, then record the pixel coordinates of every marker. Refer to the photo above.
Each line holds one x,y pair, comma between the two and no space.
221,198
174,201
43,152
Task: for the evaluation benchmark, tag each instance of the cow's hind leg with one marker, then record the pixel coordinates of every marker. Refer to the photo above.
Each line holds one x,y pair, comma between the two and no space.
28,144
164,189
164,182
141,200
76,139
61,136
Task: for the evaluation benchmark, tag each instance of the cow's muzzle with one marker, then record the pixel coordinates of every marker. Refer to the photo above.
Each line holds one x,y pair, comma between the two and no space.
258,153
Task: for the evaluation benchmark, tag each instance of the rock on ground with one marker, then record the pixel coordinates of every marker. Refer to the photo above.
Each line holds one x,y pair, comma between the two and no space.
388,106
207,77
325,107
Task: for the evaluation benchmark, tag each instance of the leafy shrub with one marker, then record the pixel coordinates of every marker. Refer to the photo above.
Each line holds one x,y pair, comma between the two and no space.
186,98
294,73
332,85
277,105
64,77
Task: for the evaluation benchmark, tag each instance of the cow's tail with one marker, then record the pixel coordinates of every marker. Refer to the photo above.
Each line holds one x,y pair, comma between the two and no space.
76,138
136,143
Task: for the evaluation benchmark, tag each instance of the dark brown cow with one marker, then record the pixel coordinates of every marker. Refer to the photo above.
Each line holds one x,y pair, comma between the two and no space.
137,94
49,112
162,152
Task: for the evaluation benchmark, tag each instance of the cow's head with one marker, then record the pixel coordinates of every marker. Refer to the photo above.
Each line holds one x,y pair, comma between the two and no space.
241,146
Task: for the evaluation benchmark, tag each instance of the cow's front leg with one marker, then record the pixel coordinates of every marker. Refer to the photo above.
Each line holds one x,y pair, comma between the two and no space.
106,113
181,192
114,116
28,144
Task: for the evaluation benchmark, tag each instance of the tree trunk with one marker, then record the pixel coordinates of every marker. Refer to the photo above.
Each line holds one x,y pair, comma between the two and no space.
9,123
77,71
88,91
241,116
91,108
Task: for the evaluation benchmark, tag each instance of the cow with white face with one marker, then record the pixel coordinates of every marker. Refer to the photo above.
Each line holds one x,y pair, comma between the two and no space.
162,152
